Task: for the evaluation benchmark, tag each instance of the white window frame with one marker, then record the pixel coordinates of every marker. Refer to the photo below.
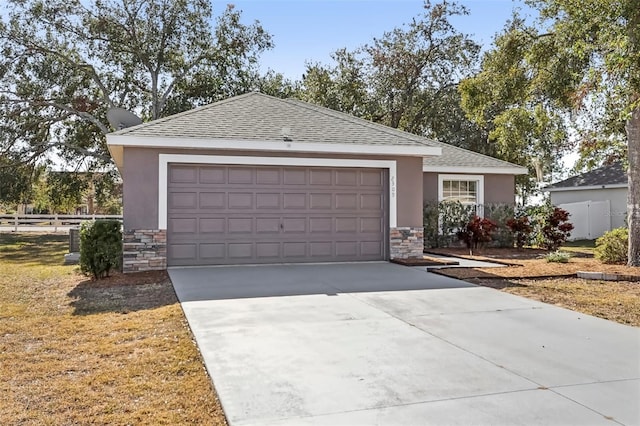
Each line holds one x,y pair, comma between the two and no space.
479,185
165,159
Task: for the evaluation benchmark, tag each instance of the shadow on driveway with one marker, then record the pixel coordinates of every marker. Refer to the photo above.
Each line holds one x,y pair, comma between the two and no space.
241,282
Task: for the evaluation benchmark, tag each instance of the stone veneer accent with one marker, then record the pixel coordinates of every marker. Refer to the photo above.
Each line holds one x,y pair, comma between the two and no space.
144,250
406,243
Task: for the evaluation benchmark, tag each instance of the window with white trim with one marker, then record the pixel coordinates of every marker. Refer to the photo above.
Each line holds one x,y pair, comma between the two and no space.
467,189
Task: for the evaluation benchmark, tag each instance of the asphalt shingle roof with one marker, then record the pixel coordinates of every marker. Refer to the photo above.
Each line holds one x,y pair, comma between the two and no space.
613,174
256,116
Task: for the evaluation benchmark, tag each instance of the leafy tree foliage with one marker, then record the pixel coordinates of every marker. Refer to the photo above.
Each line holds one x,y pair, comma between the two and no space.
604,37
405,79
65,62
509,98
581,58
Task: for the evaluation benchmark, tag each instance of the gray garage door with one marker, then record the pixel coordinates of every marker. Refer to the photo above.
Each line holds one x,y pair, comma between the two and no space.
238,214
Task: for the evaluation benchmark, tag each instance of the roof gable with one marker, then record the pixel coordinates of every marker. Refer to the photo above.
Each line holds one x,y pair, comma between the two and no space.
258,118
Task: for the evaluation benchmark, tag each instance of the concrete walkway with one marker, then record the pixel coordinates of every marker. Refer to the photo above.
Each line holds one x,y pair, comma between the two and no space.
383,344
462,262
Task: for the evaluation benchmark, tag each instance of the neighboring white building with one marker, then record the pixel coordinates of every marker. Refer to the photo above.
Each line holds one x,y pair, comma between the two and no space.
597,200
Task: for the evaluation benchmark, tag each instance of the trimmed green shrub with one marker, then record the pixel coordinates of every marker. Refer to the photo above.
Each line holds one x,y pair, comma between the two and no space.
613,247
100,247
453,216
500,213
558,257
430,223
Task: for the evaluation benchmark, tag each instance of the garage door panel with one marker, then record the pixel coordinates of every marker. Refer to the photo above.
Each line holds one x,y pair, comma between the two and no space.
296,176
183,174
296,225
210,251
347,248
295,200
371,202
213,175
268,250
320,224
346,177
320,177
347,201
373,178
321,249
268,177
184,225
183,251
268,200
240,200
242,175
268,225
212,200
371,225
320,201
371,248
294,249
242,214
183,200
346,225
242,225
212,225
240,250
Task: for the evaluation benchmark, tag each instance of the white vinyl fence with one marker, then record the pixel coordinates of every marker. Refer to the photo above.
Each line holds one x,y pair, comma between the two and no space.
46,223
590,219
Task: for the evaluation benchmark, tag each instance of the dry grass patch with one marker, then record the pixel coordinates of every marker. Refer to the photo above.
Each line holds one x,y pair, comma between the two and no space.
613,300
75,351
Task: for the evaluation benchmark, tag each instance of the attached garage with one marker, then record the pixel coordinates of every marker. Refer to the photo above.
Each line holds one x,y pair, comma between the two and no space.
256,179
220,214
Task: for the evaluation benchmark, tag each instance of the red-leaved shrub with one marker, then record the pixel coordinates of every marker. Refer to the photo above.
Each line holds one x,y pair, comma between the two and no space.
555,229
477,230
521,230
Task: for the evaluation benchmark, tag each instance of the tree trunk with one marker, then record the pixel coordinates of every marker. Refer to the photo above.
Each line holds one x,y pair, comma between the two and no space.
633,197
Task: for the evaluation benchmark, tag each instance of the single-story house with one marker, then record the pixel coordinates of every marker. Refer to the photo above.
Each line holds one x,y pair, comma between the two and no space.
256,179
596,200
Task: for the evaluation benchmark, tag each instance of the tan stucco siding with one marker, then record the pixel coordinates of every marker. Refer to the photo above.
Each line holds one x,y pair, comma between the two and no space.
616,196
498,189
409,189
140,188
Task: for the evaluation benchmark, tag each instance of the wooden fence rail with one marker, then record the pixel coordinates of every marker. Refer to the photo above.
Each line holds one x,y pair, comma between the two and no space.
27,222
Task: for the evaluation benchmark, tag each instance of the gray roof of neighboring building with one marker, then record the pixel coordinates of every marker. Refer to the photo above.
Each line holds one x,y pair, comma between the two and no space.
259,117
612,174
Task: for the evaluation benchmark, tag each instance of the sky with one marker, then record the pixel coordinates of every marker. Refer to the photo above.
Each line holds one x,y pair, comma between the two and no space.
310,30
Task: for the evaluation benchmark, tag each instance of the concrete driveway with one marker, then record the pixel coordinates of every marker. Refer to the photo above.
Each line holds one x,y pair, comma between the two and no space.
383,344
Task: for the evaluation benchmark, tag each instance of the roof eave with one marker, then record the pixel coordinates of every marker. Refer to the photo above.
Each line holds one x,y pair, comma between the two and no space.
506,170
121,141
585,188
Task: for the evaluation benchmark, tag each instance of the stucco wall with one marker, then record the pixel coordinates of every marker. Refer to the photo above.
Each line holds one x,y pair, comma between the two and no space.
616,196
498,189
140,188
